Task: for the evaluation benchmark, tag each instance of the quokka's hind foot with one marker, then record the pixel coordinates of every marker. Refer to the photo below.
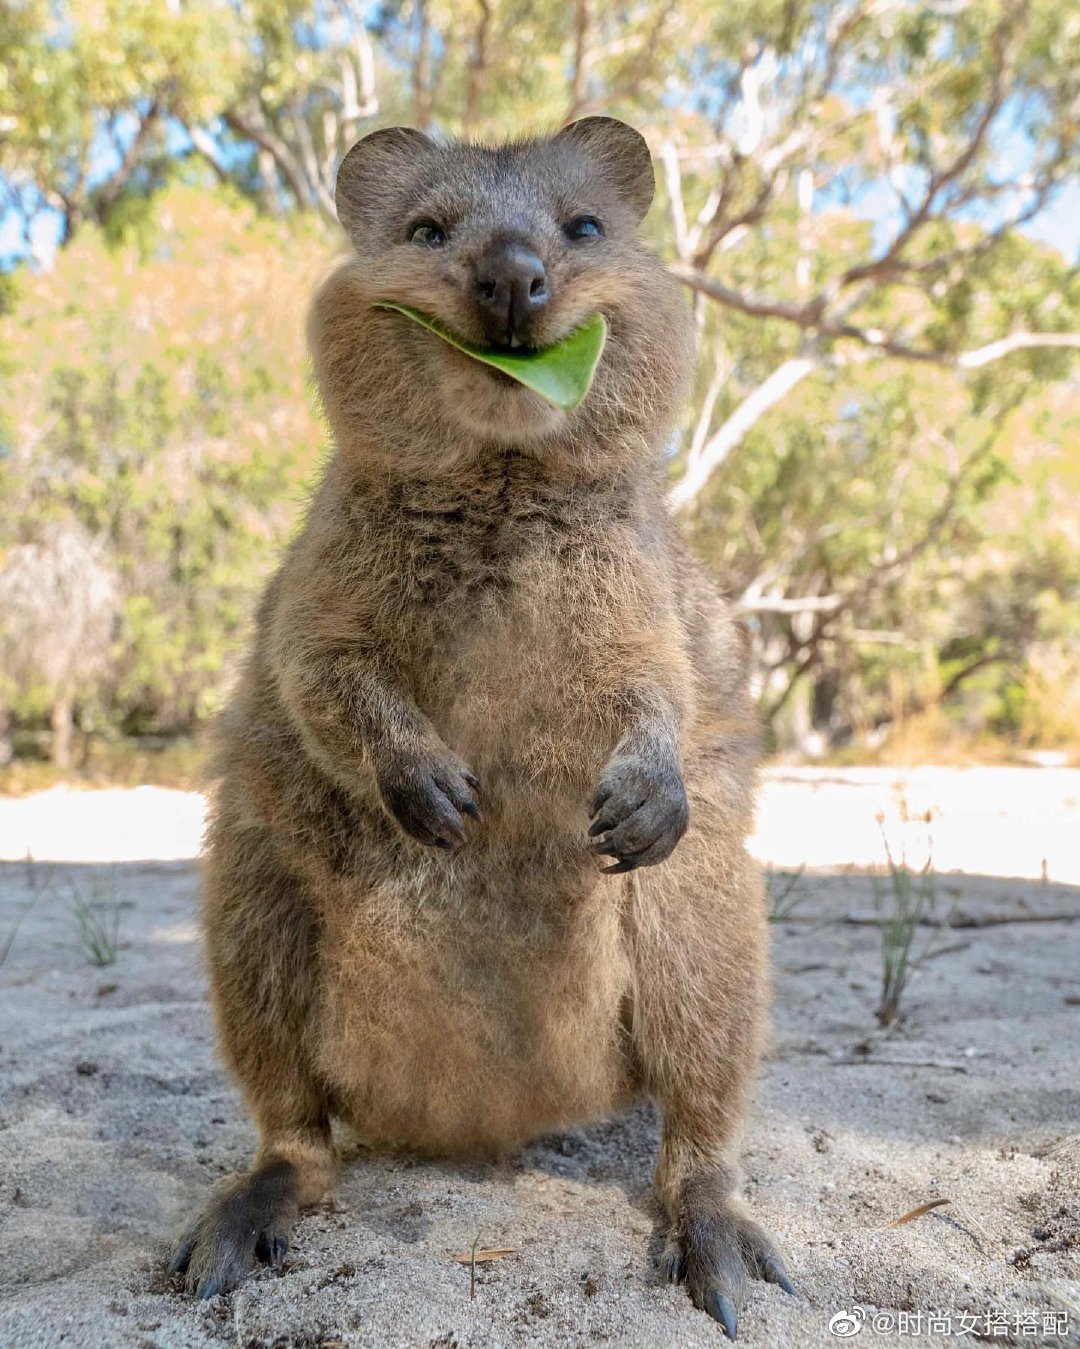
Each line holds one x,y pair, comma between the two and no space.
250,1219
712,1248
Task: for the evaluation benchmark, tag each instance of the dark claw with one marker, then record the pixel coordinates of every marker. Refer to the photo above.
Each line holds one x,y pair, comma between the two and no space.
428,793
774,1272
272,1250
722,1309
182,1256
209,1288
673,1265
632,860
639,812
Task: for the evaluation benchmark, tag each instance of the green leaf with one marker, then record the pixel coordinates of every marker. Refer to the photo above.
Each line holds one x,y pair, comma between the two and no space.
562,373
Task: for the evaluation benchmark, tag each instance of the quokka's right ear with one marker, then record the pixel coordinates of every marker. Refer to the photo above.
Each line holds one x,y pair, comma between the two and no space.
372,171
622,154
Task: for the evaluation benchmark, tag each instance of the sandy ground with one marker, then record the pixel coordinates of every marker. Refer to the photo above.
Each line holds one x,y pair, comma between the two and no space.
115,1118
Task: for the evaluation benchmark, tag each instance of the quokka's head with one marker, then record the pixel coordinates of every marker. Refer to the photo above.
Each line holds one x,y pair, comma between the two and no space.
508,247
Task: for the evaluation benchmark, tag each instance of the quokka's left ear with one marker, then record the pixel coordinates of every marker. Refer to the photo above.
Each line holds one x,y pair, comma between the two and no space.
621,154
374,172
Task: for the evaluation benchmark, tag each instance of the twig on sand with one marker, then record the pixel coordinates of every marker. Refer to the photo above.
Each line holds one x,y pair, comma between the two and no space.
482,1256
918,1212
999,920
475,1256
956,920
934,952
863,1060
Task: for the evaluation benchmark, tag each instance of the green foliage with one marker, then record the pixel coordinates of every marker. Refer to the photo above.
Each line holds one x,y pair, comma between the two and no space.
96,913
780,895
151,381
158,401
909,898
72,72
562,372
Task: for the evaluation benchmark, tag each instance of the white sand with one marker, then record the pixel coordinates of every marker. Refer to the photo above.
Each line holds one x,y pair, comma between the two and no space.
1022,822
115,1119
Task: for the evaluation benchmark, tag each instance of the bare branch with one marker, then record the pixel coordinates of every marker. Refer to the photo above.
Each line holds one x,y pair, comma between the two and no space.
207,149
112,189
810,317
749,412
477,67
359,97
669,157
805,315
722,367
993,351
798,604
580,60
943,178
317,190
421,70
284,159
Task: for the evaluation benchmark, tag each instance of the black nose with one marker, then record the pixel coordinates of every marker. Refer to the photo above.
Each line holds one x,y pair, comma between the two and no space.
511,288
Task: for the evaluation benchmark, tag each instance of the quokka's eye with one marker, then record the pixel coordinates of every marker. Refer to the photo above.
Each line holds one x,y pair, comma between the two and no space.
428,233
584,227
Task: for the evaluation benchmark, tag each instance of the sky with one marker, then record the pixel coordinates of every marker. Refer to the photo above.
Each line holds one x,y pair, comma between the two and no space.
1058,225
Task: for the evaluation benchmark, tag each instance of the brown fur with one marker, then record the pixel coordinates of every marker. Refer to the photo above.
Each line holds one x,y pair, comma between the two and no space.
486,584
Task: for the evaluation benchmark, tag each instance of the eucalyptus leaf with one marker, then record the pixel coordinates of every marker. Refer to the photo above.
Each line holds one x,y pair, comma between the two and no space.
562,373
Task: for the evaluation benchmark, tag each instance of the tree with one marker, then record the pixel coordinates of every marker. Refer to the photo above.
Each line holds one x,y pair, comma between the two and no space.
89,93
826,104
58,608
849,191
154,404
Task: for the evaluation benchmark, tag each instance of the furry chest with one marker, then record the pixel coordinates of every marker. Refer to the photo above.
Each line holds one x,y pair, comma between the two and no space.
514,597
518,687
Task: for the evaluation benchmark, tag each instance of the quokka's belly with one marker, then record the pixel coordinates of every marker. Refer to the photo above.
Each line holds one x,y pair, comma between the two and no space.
453,1028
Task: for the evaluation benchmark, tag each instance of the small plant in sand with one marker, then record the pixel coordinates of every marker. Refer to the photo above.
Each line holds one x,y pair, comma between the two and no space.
37,883
97,917
782,901
907,898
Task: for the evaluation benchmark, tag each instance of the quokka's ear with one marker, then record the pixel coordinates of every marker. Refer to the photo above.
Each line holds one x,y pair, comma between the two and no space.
621,152
373,171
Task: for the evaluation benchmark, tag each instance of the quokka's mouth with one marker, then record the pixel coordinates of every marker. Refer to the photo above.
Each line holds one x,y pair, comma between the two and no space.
562,372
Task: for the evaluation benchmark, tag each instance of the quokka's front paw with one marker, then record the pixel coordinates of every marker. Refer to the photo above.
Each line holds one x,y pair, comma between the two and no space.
639,813
429,791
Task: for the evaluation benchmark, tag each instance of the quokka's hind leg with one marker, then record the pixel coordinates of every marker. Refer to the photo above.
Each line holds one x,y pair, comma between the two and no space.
698,935
262,949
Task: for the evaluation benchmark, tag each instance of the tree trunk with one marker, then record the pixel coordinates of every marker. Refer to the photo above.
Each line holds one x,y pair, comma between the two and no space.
63,727
6,750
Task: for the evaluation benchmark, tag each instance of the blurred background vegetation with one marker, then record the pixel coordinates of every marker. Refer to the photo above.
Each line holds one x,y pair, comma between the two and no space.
874,207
